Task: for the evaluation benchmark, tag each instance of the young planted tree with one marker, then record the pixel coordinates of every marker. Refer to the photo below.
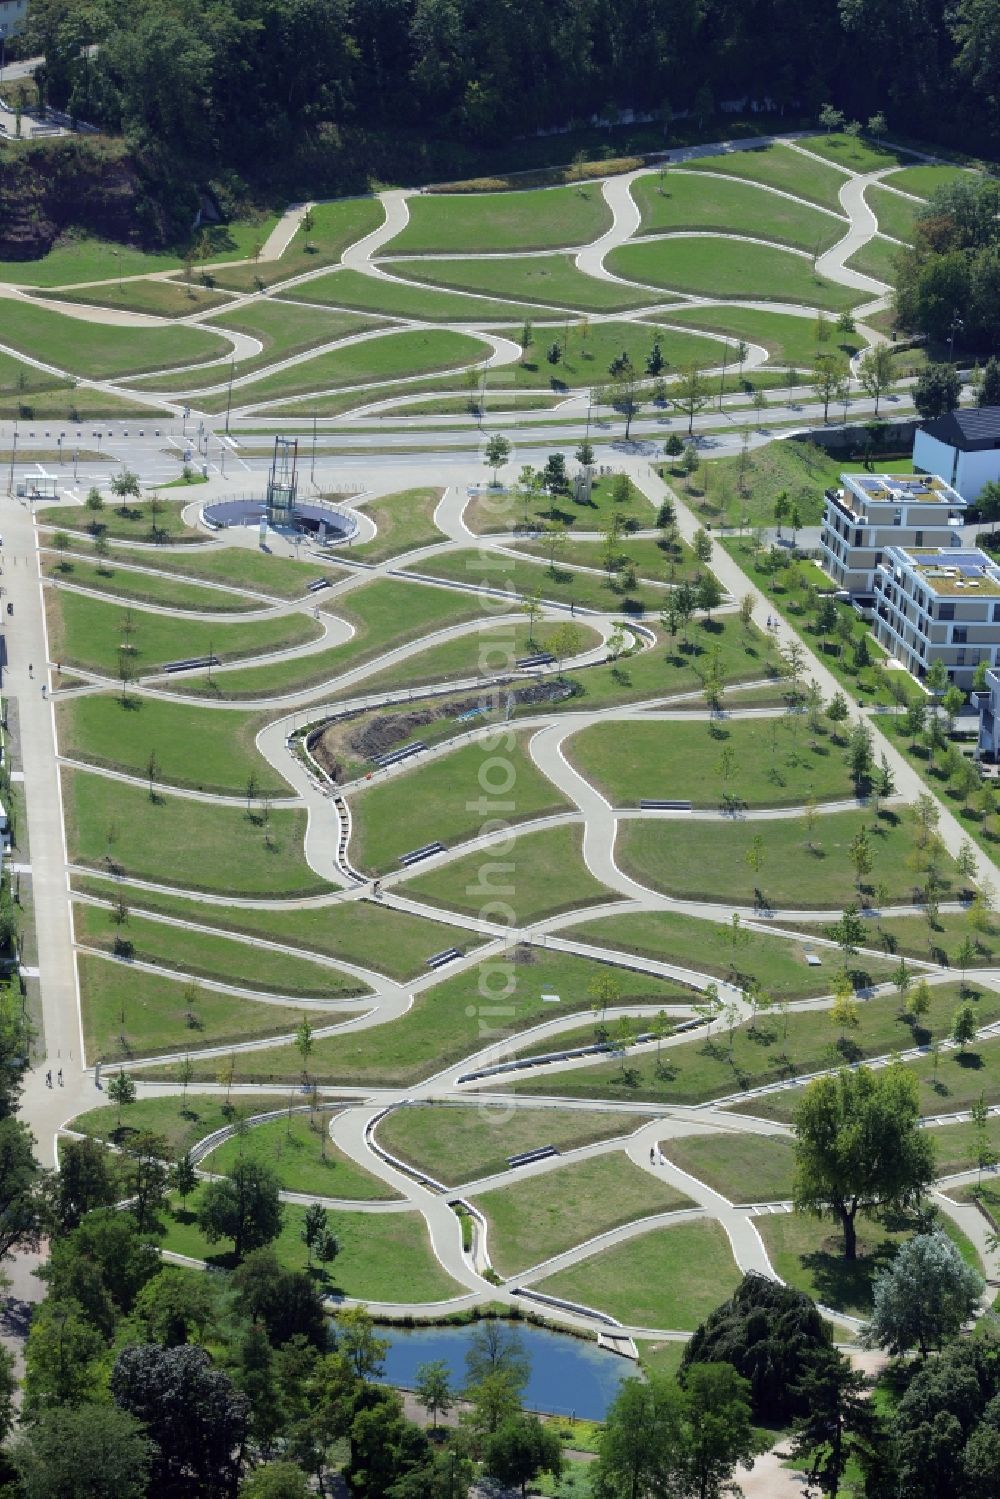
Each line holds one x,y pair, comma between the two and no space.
690,393
830,379
496,453
433,1389
121,1091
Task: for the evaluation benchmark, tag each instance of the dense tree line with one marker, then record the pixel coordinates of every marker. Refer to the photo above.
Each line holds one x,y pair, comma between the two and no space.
948,284
216,84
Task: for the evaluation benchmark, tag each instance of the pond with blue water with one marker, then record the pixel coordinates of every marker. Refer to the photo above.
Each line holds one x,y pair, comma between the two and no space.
569,1376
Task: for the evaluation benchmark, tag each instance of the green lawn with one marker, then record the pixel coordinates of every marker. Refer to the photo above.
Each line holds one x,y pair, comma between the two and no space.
956,1146
286,329
350,931
335,226
199,748
452,1020
728,268
438,801
707,861
853,153
520,576
877,258
764,763
299,1151
895,215
25,379
742,1167
99,350
790,340
132,521
679,200
925,179
162,298
180,1122
196,845
405,520
777,963
81,257
472,1141
396,298
808,1254
383,1256
389,356
542,1216
779,165
539,875
776,1048
585,353
212,956
799,469
669,1278
109,577
650,559
385,613
166,1015
533,220
551,280
491,512
91,633
938,942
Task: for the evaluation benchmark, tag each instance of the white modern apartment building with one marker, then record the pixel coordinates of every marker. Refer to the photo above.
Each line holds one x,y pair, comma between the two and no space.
13,14
963,448
872,512
988,703
938,604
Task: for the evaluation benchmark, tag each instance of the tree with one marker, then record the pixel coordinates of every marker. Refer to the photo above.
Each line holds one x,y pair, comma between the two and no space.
184,1177
563,642
989,392
60,1357
923,1297
192,1412
85,1181
689,462
838,1415
709,593
830,383
986,1155
849,932
520,1449
121,1090
837,711
125,486
244,1207
781,508
641,1450
674,446
84,1452
145,1177
844,1012
314,1226
831,118
304,1043
585,455
357,1339
963,1026
496,452
877,126
719,1434
876,373
861,855
285,1302
858,1147
433,1389
531,606
278,1480
690,393
937,391
625,387
655,362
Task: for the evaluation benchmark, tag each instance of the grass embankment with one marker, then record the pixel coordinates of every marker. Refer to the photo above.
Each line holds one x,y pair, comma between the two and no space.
180,1122
676,199
134,520
440,802
103,350
895,215
729,268
533,220
499,510
195,845
84,257
334,226
521,575
133,585
550,280
472,1141
791,340
299,1151
439,1031
742,1167
542,1216
779,165
398,298
404,521
669,1278
209,955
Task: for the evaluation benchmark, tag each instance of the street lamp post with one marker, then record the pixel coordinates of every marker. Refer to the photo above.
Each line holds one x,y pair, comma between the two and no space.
13,454
229,393
956,327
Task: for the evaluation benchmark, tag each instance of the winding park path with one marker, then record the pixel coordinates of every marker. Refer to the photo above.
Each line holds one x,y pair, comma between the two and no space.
346,689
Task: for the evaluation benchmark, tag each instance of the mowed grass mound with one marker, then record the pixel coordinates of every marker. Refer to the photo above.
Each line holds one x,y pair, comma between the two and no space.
682,200
198,748
552,280
191,844
443,1025
742,1167
535,220
85,257
335,225
101,350
669,1278
540,874
393,297
439,802
128,1014
132,521
774,1049
708,861
181,1121
404,520
385,356
790,340
285,329
359,931
717,267
298,1149
91,634
521,575
138,586
209,955
534,1219
727,952
779,165
25,379
488,513
467,1142
925,179
895,215
383,1256
762,763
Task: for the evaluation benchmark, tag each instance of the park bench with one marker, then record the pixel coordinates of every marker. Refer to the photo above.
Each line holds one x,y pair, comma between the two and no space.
447,955
415,855
193,663
540,658
317,584
526,1157
647,805
396,756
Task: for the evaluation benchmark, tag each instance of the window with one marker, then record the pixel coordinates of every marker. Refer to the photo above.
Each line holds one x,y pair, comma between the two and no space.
959,659
996,614
897,517
946,611
920,539
959,635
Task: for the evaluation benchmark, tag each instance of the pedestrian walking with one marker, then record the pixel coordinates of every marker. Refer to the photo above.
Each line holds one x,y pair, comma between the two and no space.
31,670
60,1077
652,1155
48,1078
